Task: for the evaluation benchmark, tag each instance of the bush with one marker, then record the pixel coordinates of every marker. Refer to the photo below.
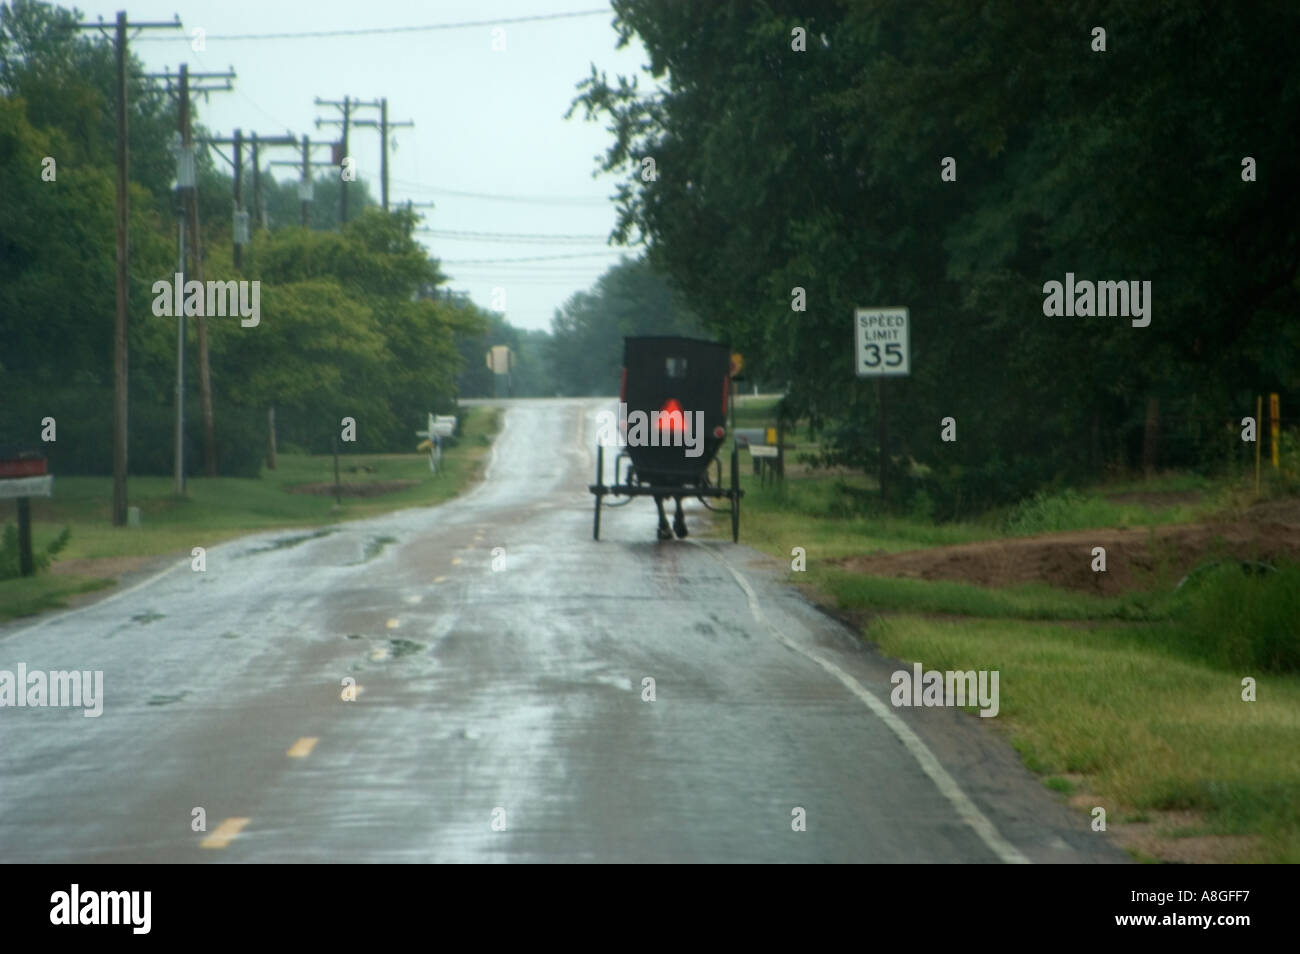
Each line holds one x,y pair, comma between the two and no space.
1244,620
9,562
1046,512
84,418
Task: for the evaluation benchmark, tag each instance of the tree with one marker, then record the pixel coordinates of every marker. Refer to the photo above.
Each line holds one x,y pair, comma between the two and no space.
819,169
586,346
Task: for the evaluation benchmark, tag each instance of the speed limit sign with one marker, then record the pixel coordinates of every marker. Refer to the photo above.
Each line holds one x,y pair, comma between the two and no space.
882,343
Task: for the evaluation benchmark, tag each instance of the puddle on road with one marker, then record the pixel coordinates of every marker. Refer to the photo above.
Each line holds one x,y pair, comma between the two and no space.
229,635
396,649
159,700
148,616
374,546
405,647
284,543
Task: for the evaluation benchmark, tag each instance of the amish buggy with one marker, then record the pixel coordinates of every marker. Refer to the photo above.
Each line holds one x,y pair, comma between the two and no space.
672,423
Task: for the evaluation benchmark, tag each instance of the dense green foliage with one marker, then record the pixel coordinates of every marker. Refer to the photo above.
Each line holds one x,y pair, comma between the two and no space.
10,559
531,374
582,352
587,334
350,322
1242,615
821,170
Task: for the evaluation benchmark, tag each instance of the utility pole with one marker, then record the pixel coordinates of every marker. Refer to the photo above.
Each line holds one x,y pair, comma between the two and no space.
304,182
122,228
304,196
240,232
184,185
259,212
240,226
188,188
347,106
259,208
383,125
411,206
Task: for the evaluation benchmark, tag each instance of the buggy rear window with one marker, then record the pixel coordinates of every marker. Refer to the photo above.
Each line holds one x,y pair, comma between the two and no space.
675,367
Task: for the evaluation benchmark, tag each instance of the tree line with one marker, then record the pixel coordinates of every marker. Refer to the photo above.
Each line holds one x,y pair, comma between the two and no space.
352,322
956,158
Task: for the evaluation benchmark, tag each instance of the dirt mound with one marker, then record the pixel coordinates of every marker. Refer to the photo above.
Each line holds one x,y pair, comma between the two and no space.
374,488
1135,558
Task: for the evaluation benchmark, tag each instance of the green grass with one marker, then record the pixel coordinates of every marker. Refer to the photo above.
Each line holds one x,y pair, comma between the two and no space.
1133,699
1029,601
220,508
823,515
31,595
1146,730
1075,510
1249,622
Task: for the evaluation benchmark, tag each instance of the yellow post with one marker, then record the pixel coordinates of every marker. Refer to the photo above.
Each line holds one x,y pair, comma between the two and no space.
1274,424
1259,410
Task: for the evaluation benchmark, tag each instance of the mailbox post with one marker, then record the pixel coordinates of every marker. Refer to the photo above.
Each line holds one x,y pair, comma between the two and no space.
23,475
439,426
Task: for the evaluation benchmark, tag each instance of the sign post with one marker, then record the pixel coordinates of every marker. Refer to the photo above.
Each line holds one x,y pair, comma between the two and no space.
23,476
1259,410
440,426
500,359
1274,424
883,349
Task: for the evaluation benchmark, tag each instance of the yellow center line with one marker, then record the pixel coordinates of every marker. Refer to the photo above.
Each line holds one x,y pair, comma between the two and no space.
455,561
225,833
393,623
439,579
302,748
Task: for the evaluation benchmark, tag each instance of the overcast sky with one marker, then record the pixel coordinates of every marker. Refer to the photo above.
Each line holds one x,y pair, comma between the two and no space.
486,122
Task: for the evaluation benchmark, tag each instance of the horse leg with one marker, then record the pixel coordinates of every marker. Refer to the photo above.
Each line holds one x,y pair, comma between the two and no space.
664,532
679,521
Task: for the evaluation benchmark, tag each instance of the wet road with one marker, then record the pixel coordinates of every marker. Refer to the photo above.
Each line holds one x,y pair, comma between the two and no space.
500,658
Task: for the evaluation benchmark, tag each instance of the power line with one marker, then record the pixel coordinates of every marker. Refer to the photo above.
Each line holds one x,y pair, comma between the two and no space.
484,272
520,237
504,197
535,258
373,31
539,280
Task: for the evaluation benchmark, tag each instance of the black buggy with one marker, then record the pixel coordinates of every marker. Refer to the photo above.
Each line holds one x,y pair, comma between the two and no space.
672,422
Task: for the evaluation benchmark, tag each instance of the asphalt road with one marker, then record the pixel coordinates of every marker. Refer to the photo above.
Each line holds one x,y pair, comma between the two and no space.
501,713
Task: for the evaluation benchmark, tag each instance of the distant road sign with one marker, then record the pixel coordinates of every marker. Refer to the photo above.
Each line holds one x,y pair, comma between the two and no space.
23,467
500,359
27,487
882,342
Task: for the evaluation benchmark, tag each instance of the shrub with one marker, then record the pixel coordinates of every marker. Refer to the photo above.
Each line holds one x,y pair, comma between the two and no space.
1246,620
9,563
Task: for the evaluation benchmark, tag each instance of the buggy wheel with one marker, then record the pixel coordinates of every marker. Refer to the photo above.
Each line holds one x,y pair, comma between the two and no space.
735,494
600,490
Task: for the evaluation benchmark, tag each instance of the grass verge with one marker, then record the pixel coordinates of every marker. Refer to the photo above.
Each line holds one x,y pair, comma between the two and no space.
1132,703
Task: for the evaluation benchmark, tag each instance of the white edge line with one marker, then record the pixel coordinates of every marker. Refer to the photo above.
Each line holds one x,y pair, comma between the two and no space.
947,785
